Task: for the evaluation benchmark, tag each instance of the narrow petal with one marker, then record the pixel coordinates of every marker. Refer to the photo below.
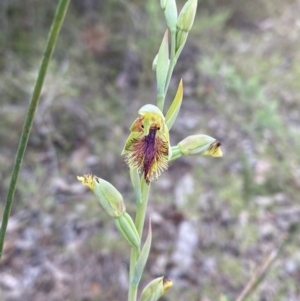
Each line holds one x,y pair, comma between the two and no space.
87,180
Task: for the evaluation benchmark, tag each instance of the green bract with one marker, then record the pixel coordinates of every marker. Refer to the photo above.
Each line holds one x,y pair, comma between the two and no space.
142,260
175,107
162,65
155,289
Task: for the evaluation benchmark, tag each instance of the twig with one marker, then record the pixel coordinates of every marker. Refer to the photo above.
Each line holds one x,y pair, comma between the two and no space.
262,271
258,276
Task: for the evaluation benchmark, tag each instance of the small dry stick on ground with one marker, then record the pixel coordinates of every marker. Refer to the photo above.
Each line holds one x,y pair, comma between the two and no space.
262,270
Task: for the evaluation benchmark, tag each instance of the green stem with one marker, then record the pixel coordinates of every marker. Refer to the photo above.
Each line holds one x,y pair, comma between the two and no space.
160,101
139,223
142,207
51,42
176,153
132,292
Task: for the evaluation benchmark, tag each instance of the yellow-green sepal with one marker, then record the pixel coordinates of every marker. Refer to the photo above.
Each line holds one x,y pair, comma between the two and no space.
109,197
175,106
127,229
131,137
142,260
152,109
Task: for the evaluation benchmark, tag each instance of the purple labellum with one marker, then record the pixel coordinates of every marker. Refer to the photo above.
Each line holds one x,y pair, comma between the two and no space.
149,152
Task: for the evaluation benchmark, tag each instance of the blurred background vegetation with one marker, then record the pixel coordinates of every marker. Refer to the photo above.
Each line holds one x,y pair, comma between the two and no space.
215,220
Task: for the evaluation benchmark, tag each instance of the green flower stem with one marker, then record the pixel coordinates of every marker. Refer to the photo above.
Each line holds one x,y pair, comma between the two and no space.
132,292
176,153
142,207
61,10
139,223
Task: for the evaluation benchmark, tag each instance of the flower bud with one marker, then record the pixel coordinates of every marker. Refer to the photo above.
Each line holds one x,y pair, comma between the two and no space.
155,289
200,145
187,15
214,150
170,10
127,229
184,24
163,3
108,196
167,284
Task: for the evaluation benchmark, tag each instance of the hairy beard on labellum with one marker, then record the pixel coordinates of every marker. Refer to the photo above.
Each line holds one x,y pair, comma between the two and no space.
149,154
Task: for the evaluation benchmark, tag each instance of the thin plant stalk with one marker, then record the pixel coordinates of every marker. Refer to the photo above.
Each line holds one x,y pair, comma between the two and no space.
142,206
139,223
59,17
